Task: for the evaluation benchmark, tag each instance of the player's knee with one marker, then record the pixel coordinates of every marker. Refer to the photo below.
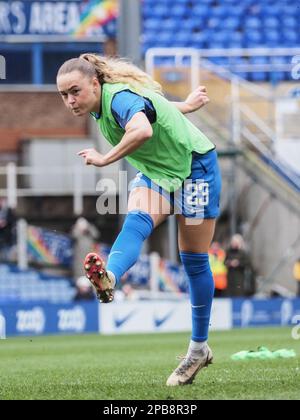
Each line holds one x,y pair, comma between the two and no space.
139,222
195,262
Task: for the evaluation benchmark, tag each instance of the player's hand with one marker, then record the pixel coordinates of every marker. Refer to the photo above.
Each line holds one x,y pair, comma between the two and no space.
197,99
92,157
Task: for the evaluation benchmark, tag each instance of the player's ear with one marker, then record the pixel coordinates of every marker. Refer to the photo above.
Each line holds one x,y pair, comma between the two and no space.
95,83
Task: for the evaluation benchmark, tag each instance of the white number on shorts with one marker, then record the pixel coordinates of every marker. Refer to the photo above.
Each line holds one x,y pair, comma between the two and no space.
198,194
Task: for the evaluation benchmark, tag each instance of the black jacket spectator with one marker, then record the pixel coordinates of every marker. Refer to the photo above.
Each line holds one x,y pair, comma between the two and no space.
7,225
240,274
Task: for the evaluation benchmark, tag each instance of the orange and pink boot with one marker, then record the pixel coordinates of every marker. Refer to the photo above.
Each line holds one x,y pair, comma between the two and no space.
102,282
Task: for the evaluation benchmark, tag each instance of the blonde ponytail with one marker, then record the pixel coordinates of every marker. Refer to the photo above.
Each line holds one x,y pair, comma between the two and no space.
111,70
116,70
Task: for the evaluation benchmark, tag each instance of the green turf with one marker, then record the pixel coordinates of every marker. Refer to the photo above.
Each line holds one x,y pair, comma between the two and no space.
135,367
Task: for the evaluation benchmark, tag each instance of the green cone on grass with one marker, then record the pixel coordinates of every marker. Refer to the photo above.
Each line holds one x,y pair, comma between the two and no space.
263,353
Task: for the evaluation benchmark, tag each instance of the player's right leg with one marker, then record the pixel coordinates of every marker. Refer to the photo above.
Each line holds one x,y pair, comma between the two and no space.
146,210
199,207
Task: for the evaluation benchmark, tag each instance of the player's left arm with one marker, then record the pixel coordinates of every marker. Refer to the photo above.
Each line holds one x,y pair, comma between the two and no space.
137,131
196,100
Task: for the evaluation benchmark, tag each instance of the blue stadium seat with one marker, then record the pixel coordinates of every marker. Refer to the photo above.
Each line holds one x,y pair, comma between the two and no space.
190,24
169,25
259,75
230,3
290,37
272,38
178,10
221,61
199,39
237,11
279,75
166,38
235,44
147,11
271,23
237,36
234,61
291,9
231,23
220,11
214,23
252,23
215,45
271,9
160,11
223,24
150,36
253,44
152,24
200,10
254,36
220,36
289,22
183,38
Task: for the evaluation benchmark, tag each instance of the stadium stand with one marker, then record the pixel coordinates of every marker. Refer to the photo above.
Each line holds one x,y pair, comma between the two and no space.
232,26
212,24
31,286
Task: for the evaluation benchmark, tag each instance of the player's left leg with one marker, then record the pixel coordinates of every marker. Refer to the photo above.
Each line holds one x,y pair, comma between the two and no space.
194,242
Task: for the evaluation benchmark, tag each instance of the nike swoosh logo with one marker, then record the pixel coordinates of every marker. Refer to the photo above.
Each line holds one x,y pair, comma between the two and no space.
114,252
120,321
160,321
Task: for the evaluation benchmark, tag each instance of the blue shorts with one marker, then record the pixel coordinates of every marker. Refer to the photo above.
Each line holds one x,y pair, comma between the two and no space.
199,195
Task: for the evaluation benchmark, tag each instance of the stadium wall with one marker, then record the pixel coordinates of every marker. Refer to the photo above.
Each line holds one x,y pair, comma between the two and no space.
25,115
142,316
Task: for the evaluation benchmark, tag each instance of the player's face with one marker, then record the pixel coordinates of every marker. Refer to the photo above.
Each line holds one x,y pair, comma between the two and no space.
81,94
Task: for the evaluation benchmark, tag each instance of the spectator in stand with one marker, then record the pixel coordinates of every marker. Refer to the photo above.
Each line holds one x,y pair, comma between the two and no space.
126,293
240,273
217,257
297,275
84,289
7,227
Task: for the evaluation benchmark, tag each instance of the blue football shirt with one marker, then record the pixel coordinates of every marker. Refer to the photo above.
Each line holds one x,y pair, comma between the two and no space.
126,104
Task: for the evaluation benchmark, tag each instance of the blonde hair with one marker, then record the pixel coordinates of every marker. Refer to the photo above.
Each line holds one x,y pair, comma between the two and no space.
110,70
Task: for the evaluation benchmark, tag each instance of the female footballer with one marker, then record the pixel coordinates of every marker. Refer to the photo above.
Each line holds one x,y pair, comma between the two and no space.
178,174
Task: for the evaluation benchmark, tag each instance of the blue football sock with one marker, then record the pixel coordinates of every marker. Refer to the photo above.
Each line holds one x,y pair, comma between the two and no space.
201,286
124,253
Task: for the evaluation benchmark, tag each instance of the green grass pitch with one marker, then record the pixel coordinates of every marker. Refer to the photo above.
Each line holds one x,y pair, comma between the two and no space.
135,367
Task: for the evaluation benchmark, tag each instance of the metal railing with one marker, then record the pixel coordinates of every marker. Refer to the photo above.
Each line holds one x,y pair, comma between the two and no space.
196,55
18,181
243,94
247,126
179,54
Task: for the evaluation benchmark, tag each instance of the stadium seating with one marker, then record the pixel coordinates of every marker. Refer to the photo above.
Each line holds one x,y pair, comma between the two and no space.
224,24
32,286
